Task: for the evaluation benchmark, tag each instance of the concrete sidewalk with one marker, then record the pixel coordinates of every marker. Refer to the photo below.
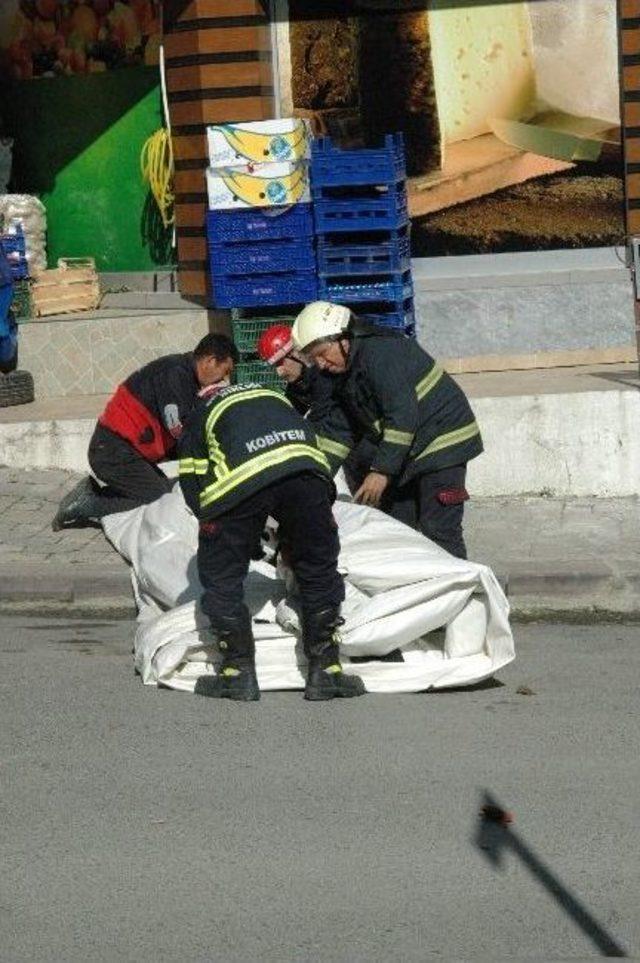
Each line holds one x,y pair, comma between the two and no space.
558,558
567,432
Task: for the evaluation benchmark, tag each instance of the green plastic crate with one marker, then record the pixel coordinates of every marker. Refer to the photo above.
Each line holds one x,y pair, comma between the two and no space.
21,303
246,331
257,372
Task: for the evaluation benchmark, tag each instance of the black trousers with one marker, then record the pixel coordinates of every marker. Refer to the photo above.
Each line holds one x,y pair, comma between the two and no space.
129,478
301,505
433,502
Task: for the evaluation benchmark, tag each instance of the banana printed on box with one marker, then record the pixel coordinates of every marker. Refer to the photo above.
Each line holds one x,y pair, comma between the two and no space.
259,142
267,185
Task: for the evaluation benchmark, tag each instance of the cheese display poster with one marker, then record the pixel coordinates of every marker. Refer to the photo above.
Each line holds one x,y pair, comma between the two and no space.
510,111
49,38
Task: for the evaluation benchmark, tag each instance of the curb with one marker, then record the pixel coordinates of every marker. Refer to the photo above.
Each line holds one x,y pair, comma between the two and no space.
31,591
560,595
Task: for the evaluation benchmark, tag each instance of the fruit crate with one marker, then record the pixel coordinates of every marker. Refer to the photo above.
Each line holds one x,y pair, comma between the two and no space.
333,167
265,257
72,286
386,211
397,287
264,289
258,224
360,256
254,371
246,331
21,301
14,248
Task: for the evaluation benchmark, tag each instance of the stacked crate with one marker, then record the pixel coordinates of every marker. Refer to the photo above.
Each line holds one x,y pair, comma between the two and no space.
262,257
244,241
258,176
15,250
260,230
362,228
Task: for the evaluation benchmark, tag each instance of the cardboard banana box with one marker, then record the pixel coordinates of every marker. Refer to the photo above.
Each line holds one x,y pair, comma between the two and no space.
266,185
259,142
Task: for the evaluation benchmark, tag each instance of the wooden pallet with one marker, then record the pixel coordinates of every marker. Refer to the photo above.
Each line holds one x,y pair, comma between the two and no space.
72,286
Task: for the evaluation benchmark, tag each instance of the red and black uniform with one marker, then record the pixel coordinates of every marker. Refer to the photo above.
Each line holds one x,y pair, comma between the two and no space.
140,427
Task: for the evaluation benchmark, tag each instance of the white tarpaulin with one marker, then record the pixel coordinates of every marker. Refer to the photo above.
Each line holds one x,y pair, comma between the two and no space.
401,590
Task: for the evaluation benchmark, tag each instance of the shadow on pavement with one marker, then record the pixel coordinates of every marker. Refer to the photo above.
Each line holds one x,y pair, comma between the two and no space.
494,838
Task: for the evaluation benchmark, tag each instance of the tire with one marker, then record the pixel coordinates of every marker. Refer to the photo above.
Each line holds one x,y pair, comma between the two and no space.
16,388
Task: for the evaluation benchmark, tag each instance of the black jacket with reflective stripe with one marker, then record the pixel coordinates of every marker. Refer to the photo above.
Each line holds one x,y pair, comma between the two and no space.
311,393
396,395
237,442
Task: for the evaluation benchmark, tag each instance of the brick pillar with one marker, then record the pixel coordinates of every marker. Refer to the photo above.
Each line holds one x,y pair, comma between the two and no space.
629,20
218,68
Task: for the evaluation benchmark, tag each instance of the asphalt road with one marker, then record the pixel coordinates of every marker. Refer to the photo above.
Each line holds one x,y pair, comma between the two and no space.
147,825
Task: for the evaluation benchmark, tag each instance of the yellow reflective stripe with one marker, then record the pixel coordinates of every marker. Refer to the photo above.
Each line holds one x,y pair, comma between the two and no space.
219,409
216,454
193,466
268,459
451,438
377,425
333,447
397,437
426,384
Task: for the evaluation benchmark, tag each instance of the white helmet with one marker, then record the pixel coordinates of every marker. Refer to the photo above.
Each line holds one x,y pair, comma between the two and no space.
320,321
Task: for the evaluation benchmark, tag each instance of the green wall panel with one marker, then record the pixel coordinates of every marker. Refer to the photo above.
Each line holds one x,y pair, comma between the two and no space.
78,143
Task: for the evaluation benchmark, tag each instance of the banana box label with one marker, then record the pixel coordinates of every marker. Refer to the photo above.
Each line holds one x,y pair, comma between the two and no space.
265,185
259,142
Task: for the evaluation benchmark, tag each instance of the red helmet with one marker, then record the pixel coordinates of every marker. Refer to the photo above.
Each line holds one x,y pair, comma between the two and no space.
275,343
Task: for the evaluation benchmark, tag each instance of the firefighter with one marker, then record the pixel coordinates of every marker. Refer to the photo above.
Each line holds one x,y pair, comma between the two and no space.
245,455
393,393
307,388
139,427
310,391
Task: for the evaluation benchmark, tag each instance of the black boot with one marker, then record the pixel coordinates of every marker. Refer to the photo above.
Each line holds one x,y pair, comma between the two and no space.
325,677
236,678
81,504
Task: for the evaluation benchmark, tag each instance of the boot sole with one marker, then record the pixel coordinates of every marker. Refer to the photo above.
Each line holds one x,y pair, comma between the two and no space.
326,695
233,696
207,688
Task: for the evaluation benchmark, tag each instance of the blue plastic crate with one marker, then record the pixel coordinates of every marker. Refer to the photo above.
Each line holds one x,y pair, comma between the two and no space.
13,243
400,316
264,289
397,287
14,248
260,224
390,256
265,257
386,212
333,167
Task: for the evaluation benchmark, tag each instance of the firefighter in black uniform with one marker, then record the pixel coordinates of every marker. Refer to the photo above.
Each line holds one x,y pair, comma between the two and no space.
310,391
245,455
394,394
139,427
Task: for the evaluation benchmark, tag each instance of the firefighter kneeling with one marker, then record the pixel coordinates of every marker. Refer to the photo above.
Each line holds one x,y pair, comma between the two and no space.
246,455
